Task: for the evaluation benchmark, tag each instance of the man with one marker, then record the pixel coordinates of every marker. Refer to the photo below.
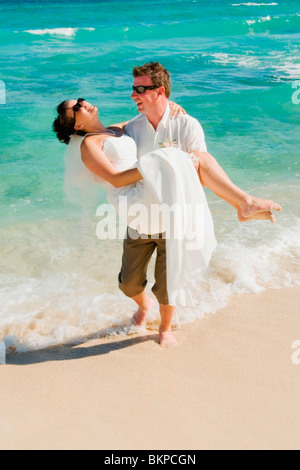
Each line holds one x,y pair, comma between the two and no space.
151,130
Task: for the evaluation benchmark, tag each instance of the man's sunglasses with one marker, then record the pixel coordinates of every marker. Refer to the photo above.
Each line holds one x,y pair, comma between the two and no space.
142,89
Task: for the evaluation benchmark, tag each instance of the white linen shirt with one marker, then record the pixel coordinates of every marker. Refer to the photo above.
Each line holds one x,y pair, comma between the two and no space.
184,129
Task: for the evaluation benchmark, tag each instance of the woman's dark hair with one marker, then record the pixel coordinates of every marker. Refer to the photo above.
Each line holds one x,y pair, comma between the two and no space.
63,125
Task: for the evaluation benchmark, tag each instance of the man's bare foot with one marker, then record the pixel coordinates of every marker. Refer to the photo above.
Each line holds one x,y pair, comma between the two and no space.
258,216
255,205
167,339
139,318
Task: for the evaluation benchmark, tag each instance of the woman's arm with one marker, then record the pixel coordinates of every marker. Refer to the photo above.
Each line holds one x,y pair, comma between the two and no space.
176,110
97,162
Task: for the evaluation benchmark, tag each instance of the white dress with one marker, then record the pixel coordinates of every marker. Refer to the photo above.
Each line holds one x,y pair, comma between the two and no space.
169,199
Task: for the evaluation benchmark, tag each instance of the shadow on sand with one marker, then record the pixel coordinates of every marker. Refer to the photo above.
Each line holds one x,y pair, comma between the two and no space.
71,351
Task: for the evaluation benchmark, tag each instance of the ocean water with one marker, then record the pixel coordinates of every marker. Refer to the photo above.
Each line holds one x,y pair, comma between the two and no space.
234,66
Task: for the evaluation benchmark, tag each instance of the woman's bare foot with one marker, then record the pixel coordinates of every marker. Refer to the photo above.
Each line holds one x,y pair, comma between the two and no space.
167,339
254,206
258,216
140,317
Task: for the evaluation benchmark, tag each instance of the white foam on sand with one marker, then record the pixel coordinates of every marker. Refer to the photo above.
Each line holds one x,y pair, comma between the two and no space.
70,294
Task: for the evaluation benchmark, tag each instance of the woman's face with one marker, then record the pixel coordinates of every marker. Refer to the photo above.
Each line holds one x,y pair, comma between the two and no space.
84,116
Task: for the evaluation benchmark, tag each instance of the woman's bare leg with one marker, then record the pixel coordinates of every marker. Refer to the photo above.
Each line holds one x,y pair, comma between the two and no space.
248,207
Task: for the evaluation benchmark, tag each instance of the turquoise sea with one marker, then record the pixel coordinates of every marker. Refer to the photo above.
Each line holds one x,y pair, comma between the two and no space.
234,66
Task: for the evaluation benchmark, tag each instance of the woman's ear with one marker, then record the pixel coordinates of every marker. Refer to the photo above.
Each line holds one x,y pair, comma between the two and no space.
78,127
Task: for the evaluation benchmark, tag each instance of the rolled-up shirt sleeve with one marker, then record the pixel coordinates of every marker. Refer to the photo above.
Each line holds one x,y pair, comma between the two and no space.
195,138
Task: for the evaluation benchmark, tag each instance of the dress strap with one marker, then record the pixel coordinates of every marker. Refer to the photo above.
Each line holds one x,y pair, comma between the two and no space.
100,133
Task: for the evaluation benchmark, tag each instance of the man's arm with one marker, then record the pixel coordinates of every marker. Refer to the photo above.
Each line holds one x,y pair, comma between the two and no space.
121,125
176,110
194,135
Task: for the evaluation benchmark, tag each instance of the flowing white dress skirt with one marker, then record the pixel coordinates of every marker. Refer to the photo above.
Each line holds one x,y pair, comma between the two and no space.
172,182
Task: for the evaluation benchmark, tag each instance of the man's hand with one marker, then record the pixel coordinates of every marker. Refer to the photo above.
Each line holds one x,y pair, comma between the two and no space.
195,157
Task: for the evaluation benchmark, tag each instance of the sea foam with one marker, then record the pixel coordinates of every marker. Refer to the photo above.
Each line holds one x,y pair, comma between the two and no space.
289,69
253,4
245,60
57,31
73,299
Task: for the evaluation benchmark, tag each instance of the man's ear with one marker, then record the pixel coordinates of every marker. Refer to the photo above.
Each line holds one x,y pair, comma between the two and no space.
161,90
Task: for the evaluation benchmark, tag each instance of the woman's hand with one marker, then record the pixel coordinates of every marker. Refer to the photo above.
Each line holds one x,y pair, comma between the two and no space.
176,110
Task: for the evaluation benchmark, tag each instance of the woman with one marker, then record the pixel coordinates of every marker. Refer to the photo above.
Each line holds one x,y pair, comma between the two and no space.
105,154
65,126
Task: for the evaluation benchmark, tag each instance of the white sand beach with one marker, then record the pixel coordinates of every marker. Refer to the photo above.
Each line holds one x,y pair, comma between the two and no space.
229,384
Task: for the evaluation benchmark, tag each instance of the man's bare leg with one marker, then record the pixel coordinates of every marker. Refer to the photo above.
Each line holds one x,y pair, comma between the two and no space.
145,304
166,337
213,176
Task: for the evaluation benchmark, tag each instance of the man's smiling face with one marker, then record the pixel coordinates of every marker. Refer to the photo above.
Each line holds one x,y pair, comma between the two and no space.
145,102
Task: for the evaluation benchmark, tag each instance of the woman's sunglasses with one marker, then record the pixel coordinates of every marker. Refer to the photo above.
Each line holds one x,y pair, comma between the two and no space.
142,89
76,106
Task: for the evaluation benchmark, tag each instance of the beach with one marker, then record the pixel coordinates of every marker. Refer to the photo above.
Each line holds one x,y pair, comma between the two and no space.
77,375
237,73
229,384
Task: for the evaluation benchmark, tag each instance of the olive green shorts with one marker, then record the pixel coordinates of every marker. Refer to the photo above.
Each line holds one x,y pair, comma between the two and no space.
137,252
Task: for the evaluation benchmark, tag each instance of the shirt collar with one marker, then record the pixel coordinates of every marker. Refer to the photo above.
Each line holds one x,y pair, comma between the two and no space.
164,120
